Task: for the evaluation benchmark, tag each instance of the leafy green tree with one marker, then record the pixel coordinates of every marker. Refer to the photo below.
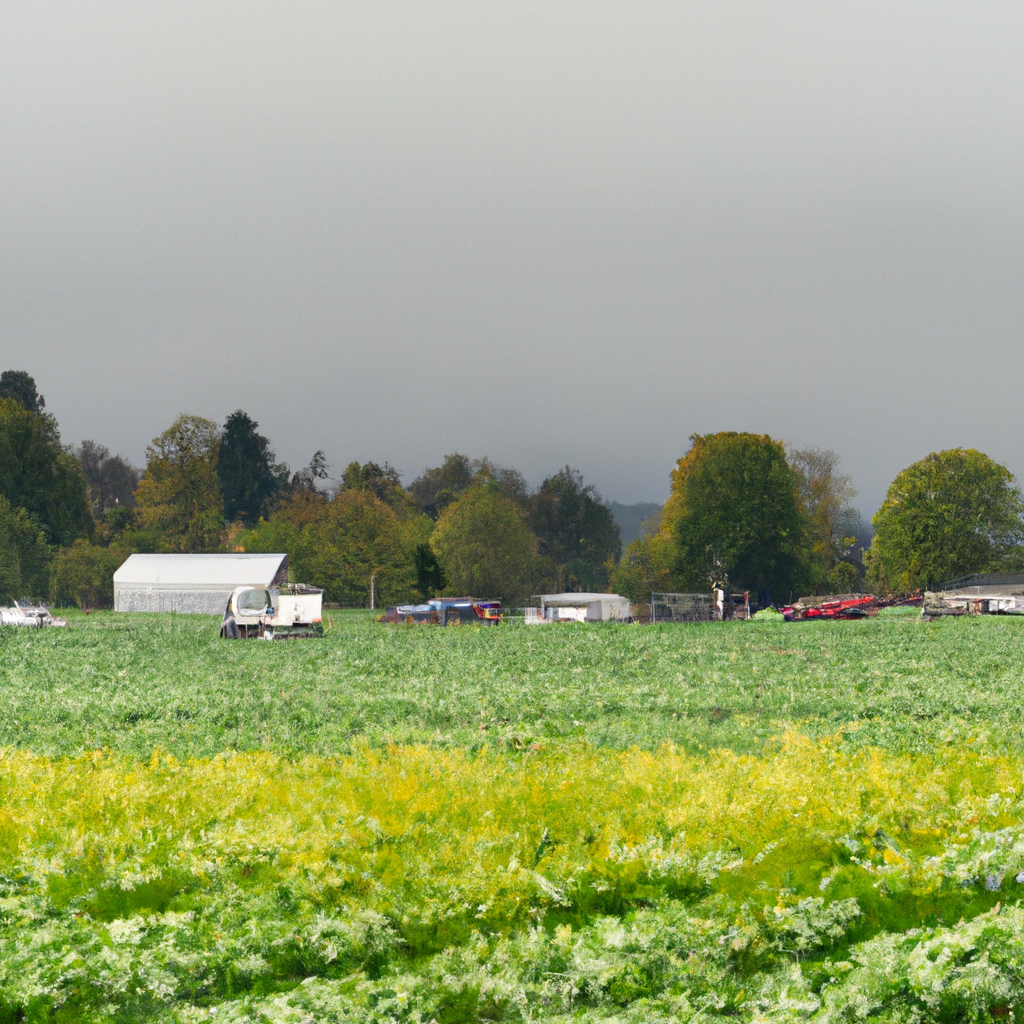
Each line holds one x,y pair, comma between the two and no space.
38,475
17,384
645,567
339,544
832,522
485,547
736,513
247,472
435,489
430,575
83,574
576,530
24,554
381,481
506,480
954,512
111,479
179,494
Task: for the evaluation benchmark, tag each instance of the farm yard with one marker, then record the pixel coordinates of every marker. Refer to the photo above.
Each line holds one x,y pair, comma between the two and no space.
758,821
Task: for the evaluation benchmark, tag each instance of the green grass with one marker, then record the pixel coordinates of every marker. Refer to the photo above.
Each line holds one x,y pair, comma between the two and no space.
135,683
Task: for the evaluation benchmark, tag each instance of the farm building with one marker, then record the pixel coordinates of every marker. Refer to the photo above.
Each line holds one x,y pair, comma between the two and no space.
580,608
195,584
993,593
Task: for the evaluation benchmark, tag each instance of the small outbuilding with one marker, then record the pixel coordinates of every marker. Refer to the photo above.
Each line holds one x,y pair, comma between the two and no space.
193,584
580,608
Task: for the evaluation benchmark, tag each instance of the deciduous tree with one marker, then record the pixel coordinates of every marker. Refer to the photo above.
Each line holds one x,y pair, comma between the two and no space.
576,530
339,544
952,513
646,566
485,546
179,494
306,478
38,475
24,554
20,386
832,521
111,479
435,489
83,574
736,512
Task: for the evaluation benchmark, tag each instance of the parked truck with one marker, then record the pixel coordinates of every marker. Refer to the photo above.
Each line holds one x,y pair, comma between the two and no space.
26,613
274,613
446,611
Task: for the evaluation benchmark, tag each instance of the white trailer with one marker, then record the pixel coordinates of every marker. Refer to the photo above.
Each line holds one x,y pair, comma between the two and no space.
273,613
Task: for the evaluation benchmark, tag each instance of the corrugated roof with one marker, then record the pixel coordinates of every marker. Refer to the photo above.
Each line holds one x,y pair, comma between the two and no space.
232,570
571,598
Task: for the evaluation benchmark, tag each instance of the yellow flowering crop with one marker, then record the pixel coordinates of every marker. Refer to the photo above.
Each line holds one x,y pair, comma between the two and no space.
162,885
415,827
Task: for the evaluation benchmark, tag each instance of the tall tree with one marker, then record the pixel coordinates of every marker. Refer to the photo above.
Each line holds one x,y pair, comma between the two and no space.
247,472
485,547
576,530
435,489
38,475
306,478
736,512
179,494
24,554
431,579
506,480
111,479
954,512
17,384
833,524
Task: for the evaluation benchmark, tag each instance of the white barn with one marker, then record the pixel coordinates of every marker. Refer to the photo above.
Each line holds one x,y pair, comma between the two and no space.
195,584
582,608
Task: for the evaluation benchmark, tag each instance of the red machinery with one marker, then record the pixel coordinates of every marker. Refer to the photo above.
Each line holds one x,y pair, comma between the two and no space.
848,606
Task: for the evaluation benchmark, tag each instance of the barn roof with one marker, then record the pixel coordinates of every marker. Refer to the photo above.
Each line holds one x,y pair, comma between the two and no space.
232,570
577,599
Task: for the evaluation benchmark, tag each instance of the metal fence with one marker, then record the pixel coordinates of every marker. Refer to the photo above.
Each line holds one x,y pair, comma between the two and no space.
982,579
682,608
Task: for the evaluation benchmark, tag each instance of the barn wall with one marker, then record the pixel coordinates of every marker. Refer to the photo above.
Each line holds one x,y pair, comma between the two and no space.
128,598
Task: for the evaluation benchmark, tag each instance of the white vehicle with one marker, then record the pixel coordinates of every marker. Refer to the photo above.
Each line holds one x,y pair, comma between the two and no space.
37,615
277,613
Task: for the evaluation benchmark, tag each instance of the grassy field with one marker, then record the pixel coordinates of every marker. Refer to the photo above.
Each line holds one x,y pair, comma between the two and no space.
134,683
756,821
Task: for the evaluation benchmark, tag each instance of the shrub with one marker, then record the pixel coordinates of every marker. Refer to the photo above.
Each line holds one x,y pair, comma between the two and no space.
83,574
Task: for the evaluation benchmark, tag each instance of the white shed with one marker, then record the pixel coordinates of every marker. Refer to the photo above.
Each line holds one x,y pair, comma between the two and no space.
196,584
584,607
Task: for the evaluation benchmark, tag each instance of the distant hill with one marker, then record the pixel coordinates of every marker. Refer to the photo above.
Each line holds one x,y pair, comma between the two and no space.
630,518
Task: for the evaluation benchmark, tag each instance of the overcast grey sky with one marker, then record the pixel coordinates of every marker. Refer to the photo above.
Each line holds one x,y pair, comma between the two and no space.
547,232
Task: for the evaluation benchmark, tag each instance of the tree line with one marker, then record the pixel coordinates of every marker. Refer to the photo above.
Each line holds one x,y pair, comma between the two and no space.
744,510
468,525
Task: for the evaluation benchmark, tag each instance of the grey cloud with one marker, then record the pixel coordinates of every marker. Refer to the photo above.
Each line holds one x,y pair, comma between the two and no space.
546,232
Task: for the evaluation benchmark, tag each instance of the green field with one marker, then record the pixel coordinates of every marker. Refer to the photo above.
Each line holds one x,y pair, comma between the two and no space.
755,821
134,683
